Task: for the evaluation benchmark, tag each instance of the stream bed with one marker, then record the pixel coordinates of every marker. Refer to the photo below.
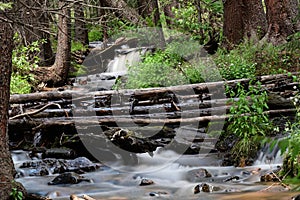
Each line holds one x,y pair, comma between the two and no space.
164,178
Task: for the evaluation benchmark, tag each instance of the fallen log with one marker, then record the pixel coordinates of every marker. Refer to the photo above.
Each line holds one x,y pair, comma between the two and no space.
145,94
128,120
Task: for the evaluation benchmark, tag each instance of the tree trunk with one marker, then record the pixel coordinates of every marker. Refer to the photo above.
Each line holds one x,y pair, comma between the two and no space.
157,22
57,74
200,19
81,32
169,13
243,19
102,16
145,8
7,167
282,19
124,10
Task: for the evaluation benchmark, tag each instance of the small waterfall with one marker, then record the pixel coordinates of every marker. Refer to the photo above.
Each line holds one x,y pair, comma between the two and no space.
269,155
124,58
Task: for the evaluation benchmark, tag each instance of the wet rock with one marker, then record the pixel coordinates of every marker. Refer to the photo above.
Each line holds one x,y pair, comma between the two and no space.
271,176
68,178
157,194
130,141
50,165
197,175
204,187
297,197
232,178
39,171
145,182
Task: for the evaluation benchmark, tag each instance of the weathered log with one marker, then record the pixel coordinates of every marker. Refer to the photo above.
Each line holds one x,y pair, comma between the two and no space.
128,120
144,94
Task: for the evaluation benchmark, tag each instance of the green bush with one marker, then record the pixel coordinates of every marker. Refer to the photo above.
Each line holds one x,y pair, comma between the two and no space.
157,70
248,120
95,34
238,63
24,60
290,147
248,60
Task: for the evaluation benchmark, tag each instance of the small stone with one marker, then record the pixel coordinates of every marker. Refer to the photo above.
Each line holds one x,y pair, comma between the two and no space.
146,182
204,187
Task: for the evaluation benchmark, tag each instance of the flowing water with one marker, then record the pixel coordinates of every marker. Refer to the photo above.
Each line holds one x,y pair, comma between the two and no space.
174,176
172,180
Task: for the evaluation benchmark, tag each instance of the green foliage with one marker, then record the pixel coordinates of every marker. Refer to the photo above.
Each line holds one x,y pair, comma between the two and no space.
290,145
77,69
238,63
24,60
157,70
4,6
78,46
248,60
186,18
19,84
95,34
16,194
248,121
177,64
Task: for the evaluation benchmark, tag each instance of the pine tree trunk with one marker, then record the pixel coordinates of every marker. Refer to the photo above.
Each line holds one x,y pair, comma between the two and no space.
157,21
81,32
57,74
243,19
125,11
6,164
282,19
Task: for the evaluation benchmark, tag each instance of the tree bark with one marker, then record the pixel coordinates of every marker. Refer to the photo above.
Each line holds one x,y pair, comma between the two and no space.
145,8
57,74
282,19
81,32
124,10
169,13
6,164
157,22
243,19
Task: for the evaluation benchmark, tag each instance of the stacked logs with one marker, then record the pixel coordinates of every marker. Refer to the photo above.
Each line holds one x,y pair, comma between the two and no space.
199,103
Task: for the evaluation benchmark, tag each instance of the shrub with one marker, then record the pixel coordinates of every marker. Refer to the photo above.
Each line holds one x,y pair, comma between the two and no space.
157,70
248,120
24,60
290,145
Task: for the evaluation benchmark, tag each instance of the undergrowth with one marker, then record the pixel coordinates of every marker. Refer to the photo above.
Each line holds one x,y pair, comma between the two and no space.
247,120
24,60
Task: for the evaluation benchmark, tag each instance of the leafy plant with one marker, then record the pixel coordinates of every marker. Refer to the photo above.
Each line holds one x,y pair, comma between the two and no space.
238,63
248,60
15,193
156,70
4,6
290,145
187,18
78,46
24,60
248,120
95,34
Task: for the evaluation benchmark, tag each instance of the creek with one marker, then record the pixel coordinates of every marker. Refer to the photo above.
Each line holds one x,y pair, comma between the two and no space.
174,176
172,180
